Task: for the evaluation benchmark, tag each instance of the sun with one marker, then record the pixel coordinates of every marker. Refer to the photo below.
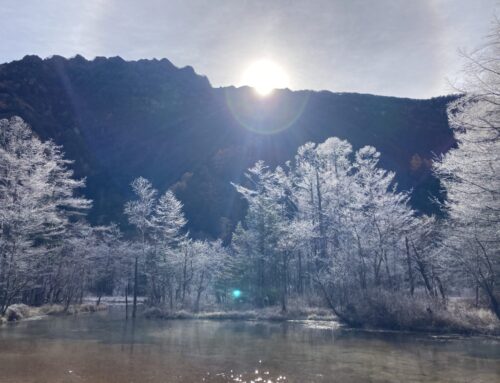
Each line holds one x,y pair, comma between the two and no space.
265,76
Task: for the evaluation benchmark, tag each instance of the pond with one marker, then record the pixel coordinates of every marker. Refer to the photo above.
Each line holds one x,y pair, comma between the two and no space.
102,347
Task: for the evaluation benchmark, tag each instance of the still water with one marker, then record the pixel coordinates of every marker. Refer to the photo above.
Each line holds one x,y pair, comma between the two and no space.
103,347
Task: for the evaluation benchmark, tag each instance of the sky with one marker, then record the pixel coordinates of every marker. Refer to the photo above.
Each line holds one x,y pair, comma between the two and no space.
404,48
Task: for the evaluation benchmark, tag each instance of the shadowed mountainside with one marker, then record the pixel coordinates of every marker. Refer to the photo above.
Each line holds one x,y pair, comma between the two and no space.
121,119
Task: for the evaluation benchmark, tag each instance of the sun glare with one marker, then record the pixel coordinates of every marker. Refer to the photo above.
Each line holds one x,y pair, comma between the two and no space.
265,76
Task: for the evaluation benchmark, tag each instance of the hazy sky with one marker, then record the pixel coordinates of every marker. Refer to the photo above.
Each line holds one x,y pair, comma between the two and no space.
390,47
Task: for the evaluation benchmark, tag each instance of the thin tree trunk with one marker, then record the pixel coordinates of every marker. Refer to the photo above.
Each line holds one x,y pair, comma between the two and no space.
136,280
284,282
126,300
410,269
199,291
300,288
322,248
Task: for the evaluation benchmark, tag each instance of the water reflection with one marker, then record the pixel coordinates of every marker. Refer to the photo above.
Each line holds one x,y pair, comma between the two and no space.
255,376
104,348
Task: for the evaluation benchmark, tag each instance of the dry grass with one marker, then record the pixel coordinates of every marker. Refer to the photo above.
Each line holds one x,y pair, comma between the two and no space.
18,311
387,310
273,313
21,311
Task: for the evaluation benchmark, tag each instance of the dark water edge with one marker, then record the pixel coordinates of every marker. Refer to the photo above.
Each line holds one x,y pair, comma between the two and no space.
102,347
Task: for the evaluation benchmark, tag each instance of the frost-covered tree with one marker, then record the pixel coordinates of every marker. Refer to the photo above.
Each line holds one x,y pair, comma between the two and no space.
256,241
169,221
424,258
366,220
209,261
74,264
470,173
159,223
140,213
169,218
385,215
332,221
320,174
37,200
108,260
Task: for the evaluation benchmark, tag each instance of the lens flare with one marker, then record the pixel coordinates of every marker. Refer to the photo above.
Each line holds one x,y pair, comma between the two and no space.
269,115
265,76
236,294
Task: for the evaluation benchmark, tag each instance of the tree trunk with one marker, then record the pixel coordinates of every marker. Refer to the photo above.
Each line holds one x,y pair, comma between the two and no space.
494,305
346,319
322,244
136,280
284,280
410,269
477,295
126,300
300,286
423,270
171,293
260,283
198,292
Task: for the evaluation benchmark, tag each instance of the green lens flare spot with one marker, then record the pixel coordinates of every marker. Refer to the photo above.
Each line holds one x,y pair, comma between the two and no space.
236,294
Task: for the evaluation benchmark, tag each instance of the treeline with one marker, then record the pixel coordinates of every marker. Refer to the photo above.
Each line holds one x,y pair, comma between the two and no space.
37,206
332,224
176,270
328,228
51,255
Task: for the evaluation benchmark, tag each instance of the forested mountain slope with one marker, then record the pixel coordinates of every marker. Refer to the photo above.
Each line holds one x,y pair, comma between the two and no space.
119,120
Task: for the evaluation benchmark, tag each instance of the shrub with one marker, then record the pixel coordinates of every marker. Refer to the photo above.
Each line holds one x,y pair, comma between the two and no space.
396,311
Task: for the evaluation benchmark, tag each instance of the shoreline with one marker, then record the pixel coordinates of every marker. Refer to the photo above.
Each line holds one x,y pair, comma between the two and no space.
273,315
21,312
266,314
